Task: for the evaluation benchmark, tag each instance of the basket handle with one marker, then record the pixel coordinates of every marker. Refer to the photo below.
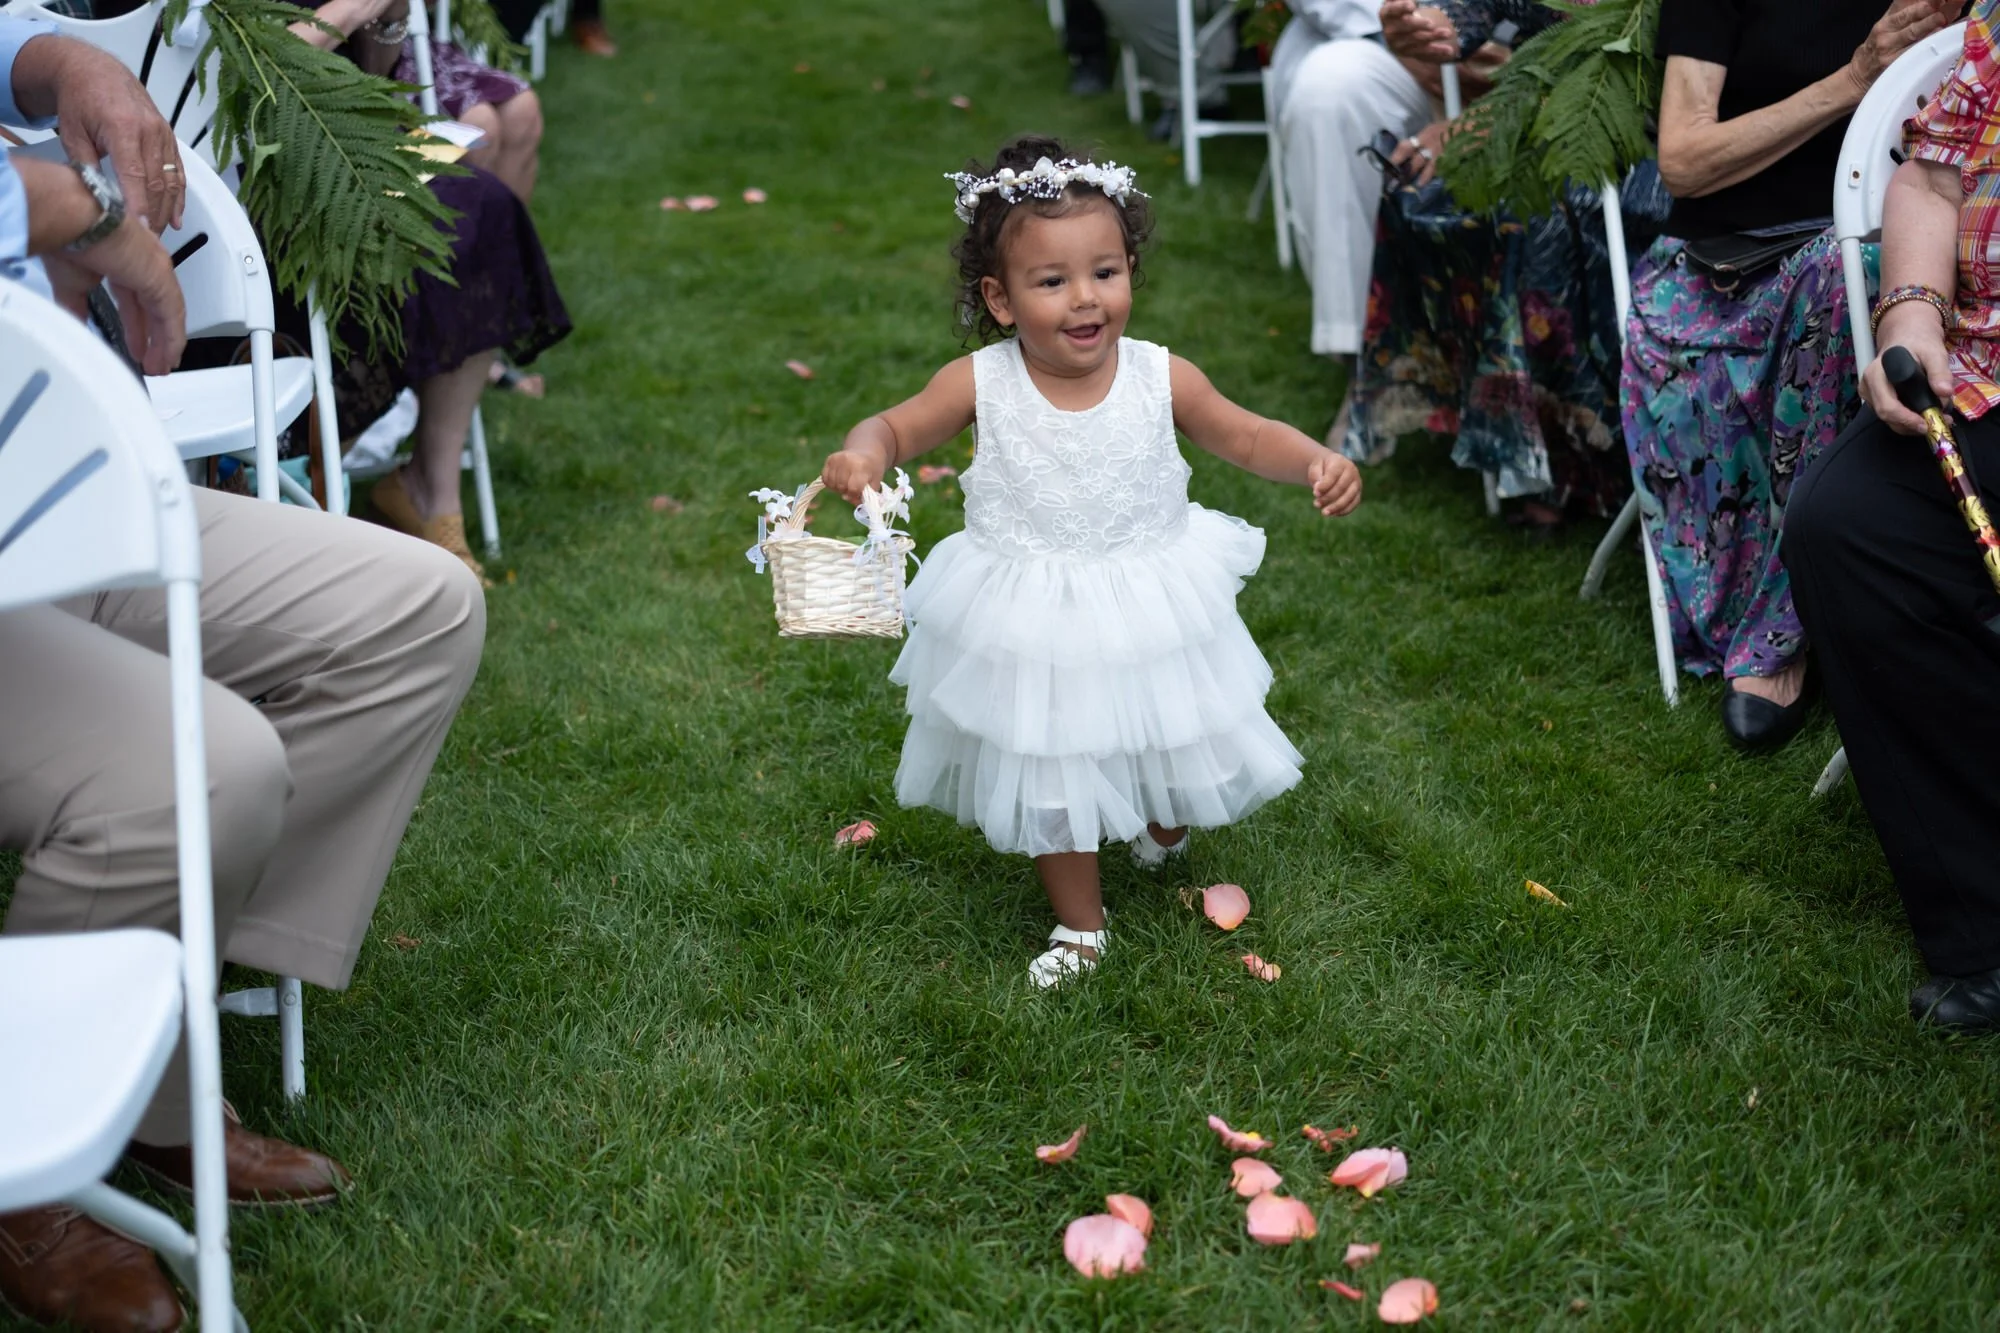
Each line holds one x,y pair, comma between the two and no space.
796,520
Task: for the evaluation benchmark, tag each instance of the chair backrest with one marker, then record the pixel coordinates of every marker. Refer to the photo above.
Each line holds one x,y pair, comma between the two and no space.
164,65
92,495
1873,148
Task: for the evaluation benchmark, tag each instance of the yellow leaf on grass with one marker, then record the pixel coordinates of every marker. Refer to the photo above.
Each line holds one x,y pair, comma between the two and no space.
1541,891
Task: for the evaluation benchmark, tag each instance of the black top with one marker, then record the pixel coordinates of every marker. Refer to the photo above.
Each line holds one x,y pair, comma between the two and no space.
1772,48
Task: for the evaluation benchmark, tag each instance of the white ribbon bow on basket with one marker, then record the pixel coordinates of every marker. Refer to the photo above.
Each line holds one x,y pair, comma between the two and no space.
876,510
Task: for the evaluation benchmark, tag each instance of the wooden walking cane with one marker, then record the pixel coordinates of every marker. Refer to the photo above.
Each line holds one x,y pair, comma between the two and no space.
1911,386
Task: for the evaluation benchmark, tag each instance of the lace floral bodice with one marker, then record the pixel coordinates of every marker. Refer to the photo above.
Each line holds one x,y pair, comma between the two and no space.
1048,482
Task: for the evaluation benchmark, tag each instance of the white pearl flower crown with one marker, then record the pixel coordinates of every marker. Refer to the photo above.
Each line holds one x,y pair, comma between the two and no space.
1044,180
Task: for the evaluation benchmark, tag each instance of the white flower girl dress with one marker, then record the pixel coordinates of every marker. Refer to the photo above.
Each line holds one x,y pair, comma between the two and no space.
1076,667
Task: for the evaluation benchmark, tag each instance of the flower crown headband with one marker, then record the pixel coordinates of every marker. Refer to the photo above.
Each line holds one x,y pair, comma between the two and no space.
1044,180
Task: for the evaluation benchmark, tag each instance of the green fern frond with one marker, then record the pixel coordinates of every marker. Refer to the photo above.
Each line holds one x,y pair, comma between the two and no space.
1573,105
327,173
476,27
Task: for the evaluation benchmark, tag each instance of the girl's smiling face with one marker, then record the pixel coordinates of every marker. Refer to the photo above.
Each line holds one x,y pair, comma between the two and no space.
1065,286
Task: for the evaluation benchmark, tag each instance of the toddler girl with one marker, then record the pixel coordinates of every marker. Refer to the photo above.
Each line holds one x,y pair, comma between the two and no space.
1077,672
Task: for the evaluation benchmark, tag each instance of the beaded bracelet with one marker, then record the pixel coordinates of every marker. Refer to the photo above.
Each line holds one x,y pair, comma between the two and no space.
1915,291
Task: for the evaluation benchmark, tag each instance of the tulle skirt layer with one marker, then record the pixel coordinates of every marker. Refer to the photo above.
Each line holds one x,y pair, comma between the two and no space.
1060,704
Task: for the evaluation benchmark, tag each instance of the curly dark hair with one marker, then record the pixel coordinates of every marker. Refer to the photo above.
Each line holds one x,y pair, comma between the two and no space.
980,250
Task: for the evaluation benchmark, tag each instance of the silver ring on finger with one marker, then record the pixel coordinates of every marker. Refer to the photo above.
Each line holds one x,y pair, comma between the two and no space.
1426,153
171,168
1414,142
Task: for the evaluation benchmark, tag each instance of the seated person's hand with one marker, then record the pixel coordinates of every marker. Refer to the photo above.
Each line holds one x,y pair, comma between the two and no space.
1419,32
1424,146
1913,325
102,111
850,472
1336,484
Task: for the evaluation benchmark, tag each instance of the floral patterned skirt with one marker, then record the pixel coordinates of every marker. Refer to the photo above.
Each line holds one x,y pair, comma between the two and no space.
1727,400
1504,335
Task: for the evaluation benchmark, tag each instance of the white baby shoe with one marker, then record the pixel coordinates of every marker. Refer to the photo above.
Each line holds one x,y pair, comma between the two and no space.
1149,854
1059,964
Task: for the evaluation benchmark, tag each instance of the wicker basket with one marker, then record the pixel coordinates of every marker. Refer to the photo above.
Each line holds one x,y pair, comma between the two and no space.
820,590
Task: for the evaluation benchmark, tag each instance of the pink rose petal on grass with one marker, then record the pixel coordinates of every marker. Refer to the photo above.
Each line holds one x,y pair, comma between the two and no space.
962,102
1250,1177
1235,1141
672,205
1262,970
701,203
1371,1170
1062,1152
1273,1219
753,195
928,474
1360,1256
1407,1301
855,835
1339,1288
1131,1208
1104,1246
1225,904
1324,1139
800,368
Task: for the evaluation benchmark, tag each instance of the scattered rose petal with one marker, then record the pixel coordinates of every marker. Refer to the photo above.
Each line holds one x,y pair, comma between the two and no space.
855,835
1104,1246
1340,1288
800,368
1324,1139
962,102
673,205
1538,891
1273,1219
1371,1170
666,504
878,85
803,67
1225,904
1250,1177
1062,1152
1236,1141
700,203
1360,1256
753,195
1407,1301
404,942
1262,970
930,475
1131,1208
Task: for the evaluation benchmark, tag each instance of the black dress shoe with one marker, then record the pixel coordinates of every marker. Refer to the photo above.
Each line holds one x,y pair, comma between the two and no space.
1089,78
1756,724
1959,1004
1167,127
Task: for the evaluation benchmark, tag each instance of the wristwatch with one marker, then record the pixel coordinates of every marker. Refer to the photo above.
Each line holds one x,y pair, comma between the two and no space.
103,187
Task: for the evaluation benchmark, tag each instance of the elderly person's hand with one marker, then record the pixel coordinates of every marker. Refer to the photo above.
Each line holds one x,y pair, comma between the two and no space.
1916,328
1419,32
1906,23
1424,146
102,111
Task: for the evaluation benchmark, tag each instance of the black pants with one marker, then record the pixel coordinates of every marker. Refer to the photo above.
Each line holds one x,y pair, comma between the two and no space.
1084,35
1894,599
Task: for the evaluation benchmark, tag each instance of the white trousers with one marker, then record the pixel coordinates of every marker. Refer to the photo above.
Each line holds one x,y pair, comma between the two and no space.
1343,95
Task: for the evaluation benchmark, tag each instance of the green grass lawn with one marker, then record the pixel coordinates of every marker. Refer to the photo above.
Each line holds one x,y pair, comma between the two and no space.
631,1047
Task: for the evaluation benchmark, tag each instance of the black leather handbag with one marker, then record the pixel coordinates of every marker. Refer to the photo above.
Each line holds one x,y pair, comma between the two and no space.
1729,261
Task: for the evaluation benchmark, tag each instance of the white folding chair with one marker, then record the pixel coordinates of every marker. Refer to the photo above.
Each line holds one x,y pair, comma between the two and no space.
92,496
1194,39
1869,156
1628,517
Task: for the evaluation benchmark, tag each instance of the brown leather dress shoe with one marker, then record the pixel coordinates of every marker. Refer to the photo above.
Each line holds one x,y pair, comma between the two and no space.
59,1267
592,38
262,1171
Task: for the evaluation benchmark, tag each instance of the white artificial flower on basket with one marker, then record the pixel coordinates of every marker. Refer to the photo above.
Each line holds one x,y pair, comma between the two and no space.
825,588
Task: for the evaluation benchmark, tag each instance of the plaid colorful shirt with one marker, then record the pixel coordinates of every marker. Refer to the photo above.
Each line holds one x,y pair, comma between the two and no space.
1961,128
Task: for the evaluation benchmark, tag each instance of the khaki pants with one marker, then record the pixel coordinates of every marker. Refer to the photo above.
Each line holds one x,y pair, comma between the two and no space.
336,653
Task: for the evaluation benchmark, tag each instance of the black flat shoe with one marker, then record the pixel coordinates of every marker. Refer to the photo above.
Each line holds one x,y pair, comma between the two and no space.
1756,725
1090,78
1958,1004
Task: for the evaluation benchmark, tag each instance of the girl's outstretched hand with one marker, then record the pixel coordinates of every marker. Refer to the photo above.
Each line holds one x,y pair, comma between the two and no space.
1335,482
850,472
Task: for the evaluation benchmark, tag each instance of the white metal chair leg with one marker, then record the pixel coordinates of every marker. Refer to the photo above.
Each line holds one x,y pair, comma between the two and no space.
1663,633
1593,578
482,485
558,11
1135,87
1454,102
538,47
1492,486
1058,15
1836,769
329,420
262,395
1190,111
292,1036
1281,204
155,1230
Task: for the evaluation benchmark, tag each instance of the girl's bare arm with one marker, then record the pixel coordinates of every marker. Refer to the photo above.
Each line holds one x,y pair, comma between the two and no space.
1271,449
915,426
